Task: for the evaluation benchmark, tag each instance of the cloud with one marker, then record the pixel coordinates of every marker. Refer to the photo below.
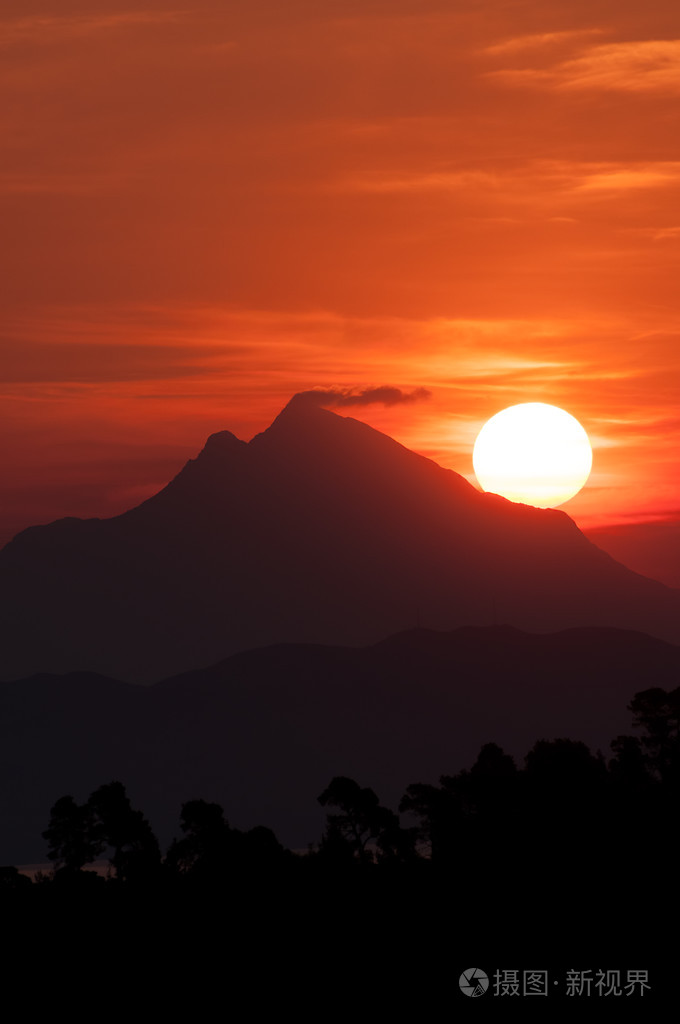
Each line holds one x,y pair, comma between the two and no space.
539,41
621,178
345,397
641,66
494,197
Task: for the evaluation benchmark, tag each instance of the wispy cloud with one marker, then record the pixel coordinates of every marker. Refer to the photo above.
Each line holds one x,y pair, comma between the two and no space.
540,41
525,181
649,65
618,178
346,397
659,234
641,66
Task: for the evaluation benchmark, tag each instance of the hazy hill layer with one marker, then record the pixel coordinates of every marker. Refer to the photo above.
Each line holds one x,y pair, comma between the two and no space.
265,731
320,530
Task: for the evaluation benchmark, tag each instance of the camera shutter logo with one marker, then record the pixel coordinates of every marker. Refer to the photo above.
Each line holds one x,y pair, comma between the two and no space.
473,982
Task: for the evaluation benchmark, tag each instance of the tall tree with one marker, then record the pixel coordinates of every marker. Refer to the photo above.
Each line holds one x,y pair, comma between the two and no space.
204,848
74,835
136,853
361,820
657,712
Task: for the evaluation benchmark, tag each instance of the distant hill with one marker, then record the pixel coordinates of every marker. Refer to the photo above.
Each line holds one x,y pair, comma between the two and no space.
649,548
263,732
320,530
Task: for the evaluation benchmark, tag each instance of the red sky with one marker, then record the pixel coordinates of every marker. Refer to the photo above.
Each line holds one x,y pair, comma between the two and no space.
205,211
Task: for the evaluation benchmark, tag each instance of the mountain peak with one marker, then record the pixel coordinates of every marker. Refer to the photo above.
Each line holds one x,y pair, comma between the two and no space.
306,402
219,443
300,415
304,429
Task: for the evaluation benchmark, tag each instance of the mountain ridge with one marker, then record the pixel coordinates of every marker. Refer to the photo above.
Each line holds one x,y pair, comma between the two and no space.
320,529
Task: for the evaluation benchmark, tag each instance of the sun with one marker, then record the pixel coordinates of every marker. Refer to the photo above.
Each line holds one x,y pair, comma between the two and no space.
533,453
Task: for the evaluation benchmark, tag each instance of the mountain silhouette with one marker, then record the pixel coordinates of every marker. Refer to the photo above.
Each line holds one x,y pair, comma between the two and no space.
263,732
319,530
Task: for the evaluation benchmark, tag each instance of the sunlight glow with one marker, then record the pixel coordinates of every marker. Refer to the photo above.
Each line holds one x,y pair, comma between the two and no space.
533,453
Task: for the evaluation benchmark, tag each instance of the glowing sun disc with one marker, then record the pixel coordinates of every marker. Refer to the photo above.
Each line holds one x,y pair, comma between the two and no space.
533,453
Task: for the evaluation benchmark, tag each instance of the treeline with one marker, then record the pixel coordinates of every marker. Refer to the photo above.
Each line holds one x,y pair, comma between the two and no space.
566,812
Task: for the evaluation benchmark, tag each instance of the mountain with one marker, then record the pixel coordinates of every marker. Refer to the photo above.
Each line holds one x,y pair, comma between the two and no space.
650,548
263,732
319,530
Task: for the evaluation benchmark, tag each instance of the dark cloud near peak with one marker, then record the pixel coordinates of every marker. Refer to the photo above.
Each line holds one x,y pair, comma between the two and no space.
346,397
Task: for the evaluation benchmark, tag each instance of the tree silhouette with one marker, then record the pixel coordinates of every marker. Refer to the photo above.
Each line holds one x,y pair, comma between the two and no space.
657,712
74,835
11,880
136,853
487,789
564,770
439,813
207,839
259,849
361,820
564,797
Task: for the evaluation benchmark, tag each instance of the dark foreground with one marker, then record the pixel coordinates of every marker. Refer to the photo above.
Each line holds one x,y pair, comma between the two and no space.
369,941
551,883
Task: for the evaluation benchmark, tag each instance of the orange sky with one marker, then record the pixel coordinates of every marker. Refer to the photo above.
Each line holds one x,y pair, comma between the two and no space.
205,211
